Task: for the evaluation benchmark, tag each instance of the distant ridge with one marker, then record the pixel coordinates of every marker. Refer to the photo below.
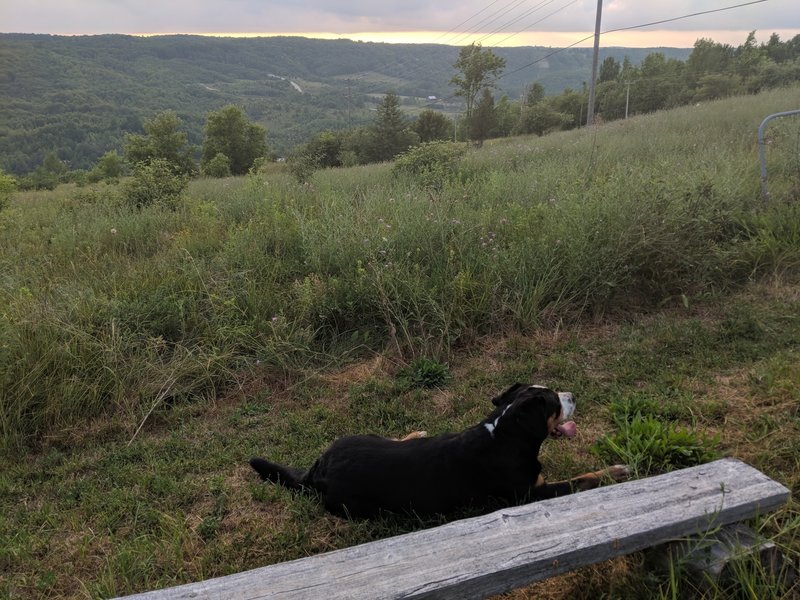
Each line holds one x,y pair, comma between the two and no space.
79,95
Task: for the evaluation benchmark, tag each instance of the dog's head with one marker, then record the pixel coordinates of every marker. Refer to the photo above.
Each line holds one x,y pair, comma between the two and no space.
532,411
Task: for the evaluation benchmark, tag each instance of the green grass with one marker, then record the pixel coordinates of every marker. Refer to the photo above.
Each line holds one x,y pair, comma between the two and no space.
145,355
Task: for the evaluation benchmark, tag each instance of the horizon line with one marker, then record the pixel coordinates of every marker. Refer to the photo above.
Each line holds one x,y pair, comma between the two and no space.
625,39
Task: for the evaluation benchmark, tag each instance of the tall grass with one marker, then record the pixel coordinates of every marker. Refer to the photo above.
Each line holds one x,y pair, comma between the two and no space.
105,307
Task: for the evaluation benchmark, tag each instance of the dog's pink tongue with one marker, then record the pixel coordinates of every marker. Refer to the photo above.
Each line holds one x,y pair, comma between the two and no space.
567,429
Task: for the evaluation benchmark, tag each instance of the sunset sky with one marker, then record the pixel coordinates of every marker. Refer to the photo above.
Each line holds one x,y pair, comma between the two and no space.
493,23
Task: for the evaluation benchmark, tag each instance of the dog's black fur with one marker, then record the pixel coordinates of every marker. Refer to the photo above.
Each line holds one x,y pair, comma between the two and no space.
494,461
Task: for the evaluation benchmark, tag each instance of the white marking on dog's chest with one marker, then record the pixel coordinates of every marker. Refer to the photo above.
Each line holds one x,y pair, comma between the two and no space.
490,427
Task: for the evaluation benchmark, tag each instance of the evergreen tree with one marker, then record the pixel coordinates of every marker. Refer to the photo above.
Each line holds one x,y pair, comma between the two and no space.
483,119
534,94
390,134
609,70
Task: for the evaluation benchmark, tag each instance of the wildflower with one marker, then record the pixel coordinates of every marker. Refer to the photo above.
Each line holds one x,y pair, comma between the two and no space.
113,231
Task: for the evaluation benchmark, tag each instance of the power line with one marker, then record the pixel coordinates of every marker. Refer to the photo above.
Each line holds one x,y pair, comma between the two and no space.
529,25
706,12
489,19
508,8
465,21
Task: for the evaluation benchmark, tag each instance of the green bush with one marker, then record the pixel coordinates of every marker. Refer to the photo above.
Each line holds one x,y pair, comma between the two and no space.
431,164
154,182
302,166
7,186
219,166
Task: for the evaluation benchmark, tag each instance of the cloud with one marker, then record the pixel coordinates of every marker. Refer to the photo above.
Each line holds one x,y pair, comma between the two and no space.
338,16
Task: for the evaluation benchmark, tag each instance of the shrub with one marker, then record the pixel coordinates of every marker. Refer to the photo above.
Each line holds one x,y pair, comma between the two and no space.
302,166
431,164
219,166
7,187
154,182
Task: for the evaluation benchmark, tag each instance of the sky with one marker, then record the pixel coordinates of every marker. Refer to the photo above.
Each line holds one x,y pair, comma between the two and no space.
555,23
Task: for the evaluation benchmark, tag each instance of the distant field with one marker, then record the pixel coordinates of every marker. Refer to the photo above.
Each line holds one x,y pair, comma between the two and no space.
146,354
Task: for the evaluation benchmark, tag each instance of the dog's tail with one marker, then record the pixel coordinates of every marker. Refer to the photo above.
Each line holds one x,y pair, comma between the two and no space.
286,476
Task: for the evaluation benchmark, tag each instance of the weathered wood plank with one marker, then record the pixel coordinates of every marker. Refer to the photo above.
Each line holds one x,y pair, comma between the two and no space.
478,557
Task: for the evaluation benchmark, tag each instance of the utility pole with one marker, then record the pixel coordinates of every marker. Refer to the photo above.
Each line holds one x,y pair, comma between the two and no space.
349,104
593,80
627,96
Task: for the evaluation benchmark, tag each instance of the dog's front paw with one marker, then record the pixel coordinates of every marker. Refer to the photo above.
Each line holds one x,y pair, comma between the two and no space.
414,435
618,472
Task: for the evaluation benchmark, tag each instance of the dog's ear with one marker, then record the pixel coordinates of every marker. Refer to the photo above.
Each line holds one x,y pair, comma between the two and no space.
507,397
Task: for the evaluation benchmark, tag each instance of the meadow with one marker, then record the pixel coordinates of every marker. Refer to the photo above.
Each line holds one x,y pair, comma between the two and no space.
146,353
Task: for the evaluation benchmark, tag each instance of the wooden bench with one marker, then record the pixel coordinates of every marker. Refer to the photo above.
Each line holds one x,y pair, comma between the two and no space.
510,548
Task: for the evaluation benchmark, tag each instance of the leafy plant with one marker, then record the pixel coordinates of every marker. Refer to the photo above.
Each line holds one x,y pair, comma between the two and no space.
432,164
219,166
7,186
154,182
649,445
426,373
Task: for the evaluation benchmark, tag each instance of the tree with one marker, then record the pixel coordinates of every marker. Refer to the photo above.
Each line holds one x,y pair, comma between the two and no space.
432,125
53,164
109,166
325,149
162,140
709,57
711,87
507,116
483,119
749,56
571,103
390,134
478,69
534,94
541,118
228,131
46,176
609,70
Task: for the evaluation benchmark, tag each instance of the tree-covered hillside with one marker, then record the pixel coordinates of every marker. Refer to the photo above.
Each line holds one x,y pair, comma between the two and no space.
78,96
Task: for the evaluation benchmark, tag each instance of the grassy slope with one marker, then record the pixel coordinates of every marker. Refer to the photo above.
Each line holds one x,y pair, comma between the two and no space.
96,506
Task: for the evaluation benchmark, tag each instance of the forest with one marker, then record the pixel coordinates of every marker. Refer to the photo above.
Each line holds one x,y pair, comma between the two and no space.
72,100
79,96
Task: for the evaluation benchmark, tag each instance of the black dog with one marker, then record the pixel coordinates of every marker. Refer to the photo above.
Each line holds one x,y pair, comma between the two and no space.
494,461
